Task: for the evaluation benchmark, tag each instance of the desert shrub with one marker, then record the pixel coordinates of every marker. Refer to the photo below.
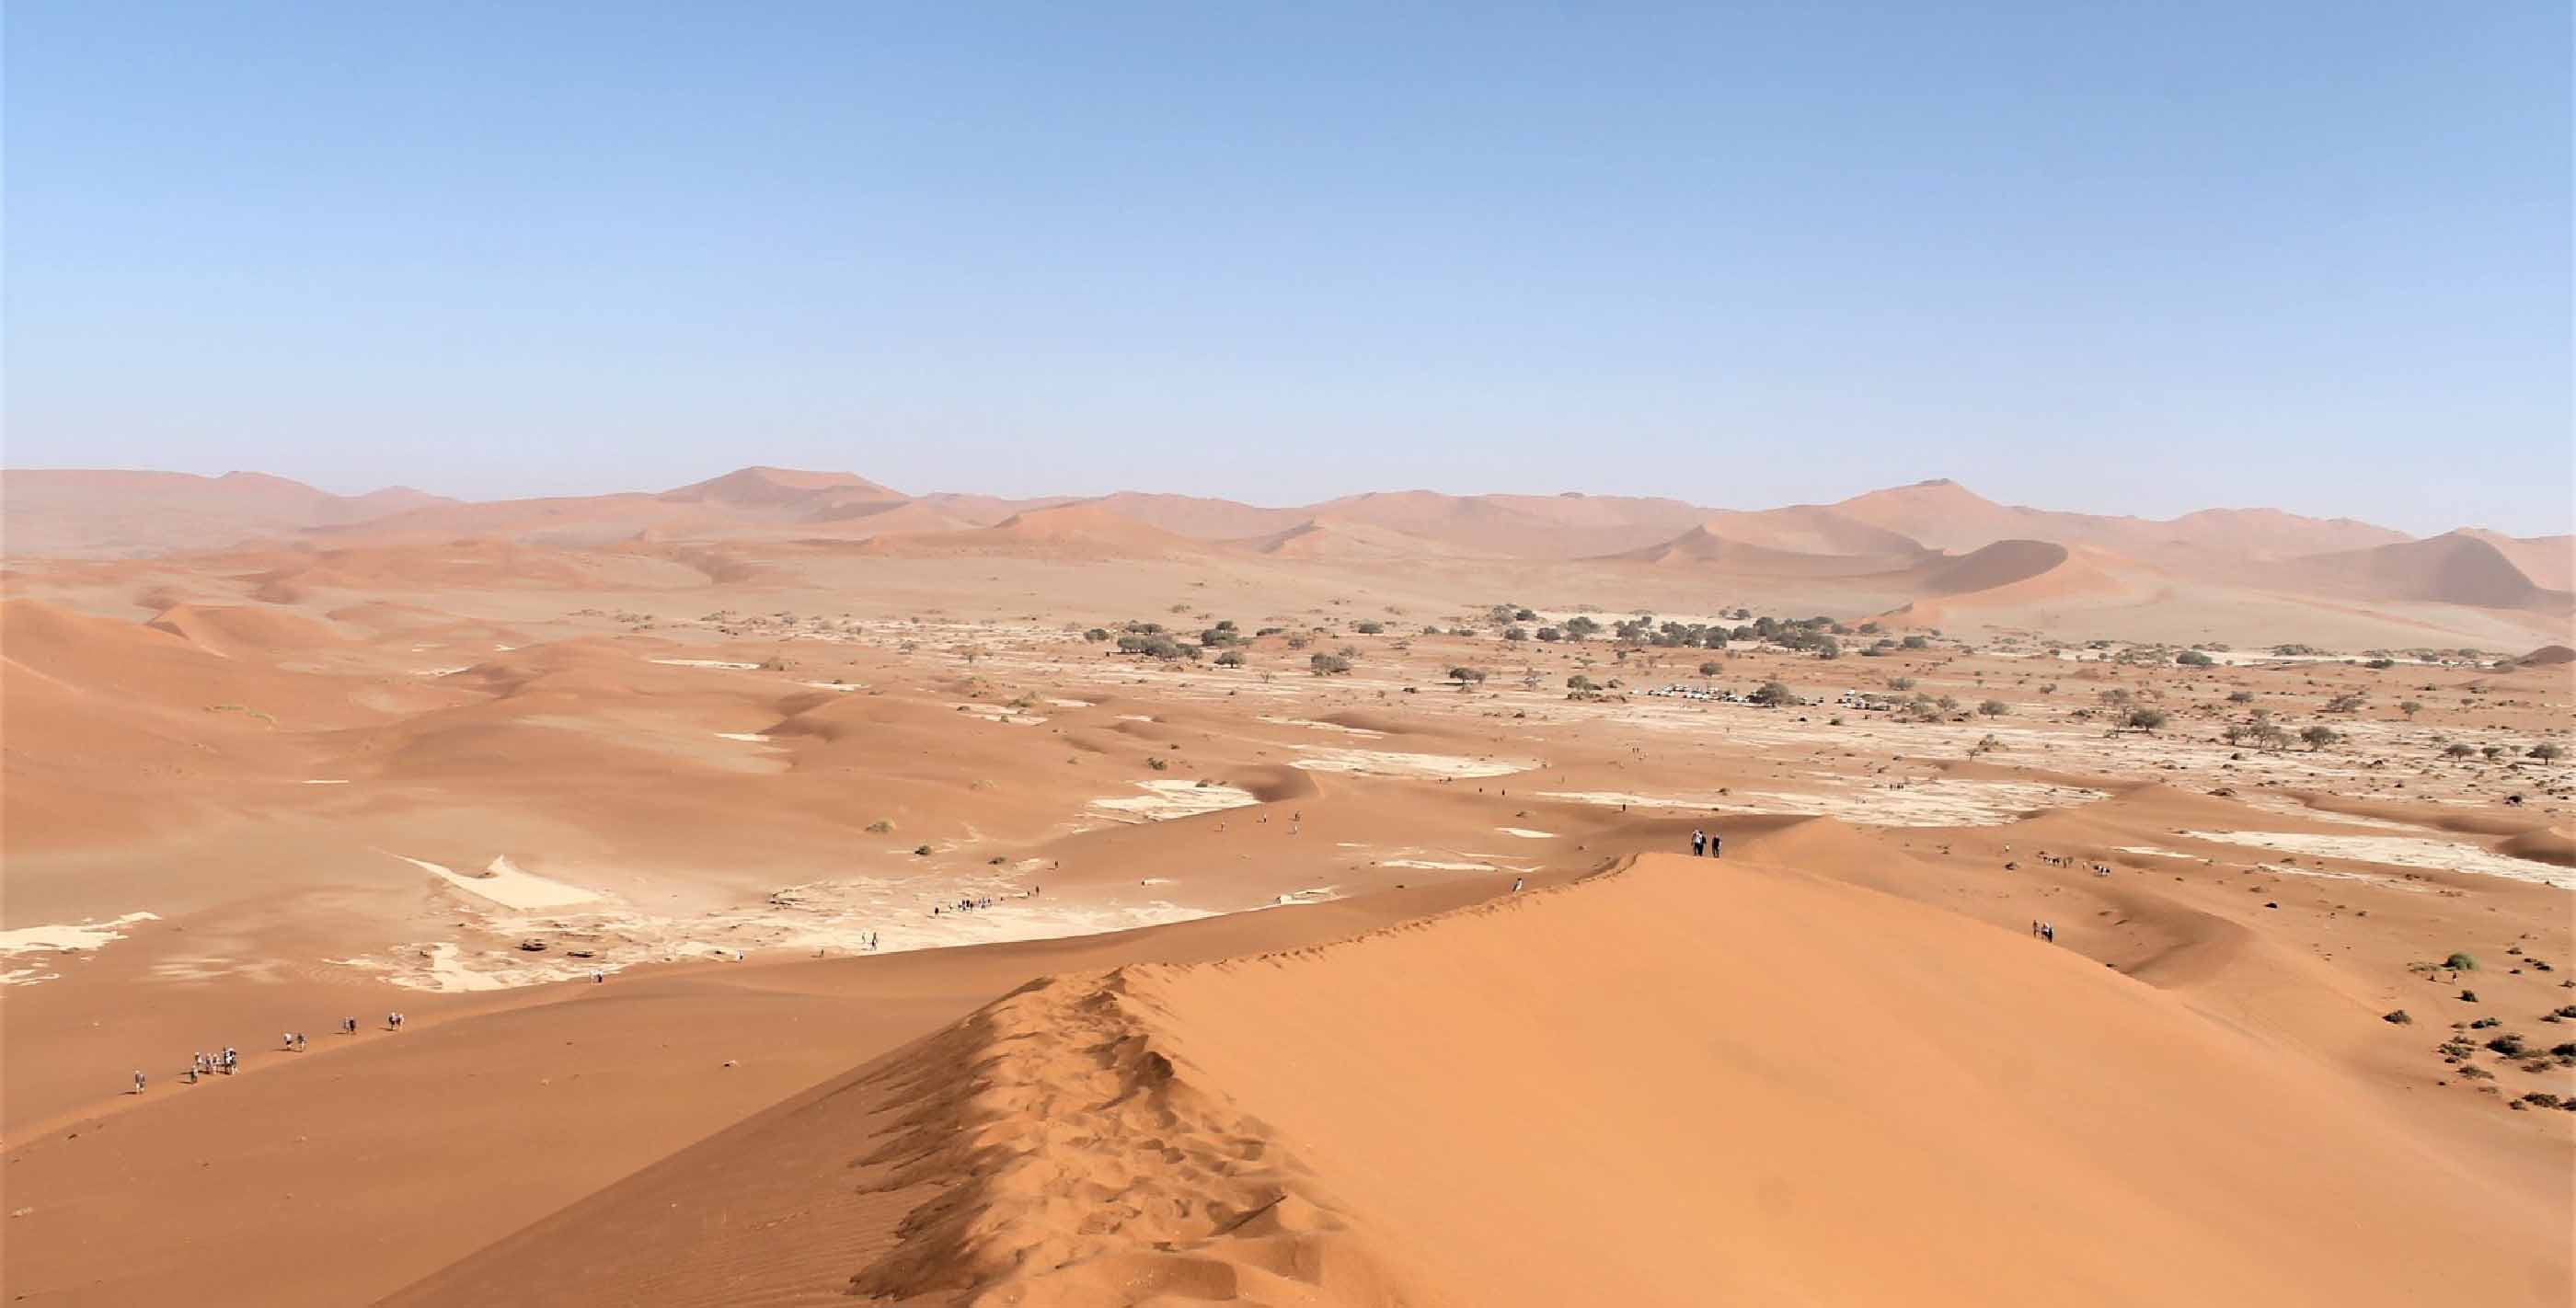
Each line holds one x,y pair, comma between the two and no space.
1581,683
2319,736
1550,634
1916,642
1368,627
1158,763
922,850
2508,1044
2192,658
1232,658
2146,719
2547,752
2484,1022
1900,683
1466,676
1325,665
2461,961
2457,749
2240,697
1096,635
2410,707
1775,694
881,826
1516,633
2468,996
2398,1016
1708,669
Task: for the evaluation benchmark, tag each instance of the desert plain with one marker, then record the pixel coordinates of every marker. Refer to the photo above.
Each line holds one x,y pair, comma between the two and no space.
794,890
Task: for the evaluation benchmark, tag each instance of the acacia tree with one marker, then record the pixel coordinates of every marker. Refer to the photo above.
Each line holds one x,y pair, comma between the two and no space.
1466,676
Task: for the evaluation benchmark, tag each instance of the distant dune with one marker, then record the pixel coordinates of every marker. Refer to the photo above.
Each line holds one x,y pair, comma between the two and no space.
111,513
2453,569
2003,563
1325,539
1665,1086
1946,515
1198,516
1070,531
1812,529
1925,550
784,488
1702,547
2550,561
1521,526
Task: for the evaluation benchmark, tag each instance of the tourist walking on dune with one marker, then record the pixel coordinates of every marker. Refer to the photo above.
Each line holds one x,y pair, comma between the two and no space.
1716,845
138,1080
1699,842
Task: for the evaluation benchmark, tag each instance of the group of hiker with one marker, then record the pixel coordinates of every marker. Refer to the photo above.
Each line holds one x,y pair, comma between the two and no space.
227,1060
1707,844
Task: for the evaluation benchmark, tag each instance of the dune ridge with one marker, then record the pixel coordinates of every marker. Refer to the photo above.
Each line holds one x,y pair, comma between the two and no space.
1266,1129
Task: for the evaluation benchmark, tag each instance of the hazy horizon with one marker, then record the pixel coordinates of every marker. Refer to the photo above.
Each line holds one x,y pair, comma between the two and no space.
1257,501
2308,257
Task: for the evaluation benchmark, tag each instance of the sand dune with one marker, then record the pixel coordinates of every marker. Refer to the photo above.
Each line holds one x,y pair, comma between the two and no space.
243,629
1355,1125
801,493
1520,526
1946,515
1067,531
103,512
1703,547
1811,529
2004,563
2550,561
2219,573
1326,539
2454,569
2029,583
1198,516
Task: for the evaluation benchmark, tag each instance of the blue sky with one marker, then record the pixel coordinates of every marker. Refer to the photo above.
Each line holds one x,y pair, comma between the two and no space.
2138,258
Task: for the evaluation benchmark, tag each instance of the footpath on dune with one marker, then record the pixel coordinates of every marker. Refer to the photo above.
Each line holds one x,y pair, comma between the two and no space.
1687,1082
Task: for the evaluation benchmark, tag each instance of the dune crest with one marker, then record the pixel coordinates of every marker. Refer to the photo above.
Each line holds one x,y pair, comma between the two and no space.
1944,1113
1095,1170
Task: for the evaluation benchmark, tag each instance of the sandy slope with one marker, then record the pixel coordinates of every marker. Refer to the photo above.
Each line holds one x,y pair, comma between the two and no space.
1677,1084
